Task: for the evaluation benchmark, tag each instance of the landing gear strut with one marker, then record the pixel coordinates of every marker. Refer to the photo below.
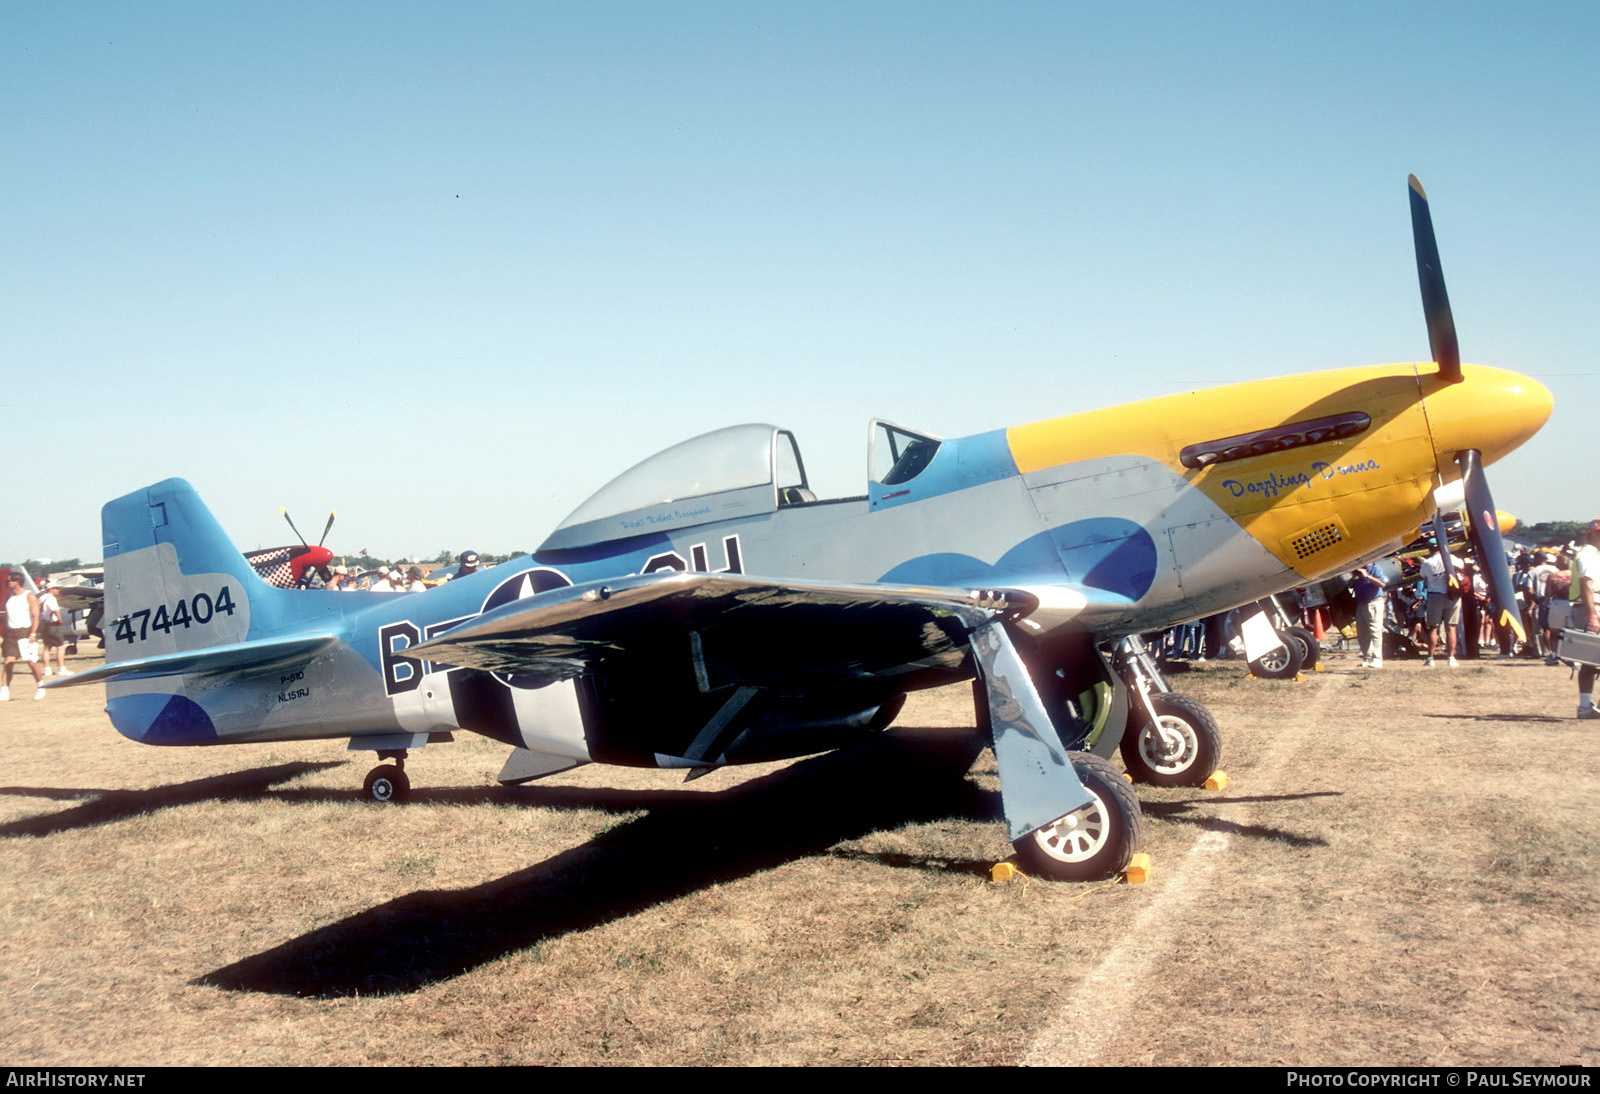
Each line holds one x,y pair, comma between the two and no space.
1171,739
1103,696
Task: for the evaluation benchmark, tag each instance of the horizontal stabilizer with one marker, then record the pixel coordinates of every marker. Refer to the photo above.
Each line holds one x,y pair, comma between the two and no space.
211,661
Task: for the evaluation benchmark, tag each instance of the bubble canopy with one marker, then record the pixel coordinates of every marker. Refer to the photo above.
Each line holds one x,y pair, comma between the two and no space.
739,471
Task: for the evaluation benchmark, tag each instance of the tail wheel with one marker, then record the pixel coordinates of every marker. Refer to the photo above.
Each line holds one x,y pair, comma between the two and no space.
1183,748
1091,843
387,783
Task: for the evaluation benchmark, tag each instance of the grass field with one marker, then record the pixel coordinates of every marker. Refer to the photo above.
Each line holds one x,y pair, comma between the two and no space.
1403,870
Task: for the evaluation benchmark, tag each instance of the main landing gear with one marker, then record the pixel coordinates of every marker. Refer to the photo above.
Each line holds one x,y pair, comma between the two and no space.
1171,739
1098,699
1177,747
1091,843
1103,699
1300,649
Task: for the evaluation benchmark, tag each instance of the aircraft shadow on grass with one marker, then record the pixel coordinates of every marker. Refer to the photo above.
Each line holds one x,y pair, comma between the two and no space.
1199,812
107,806
685,842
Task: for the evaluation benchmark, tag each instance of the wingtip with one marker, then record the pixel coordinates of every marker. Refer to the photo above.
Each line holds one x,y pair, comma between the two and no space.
1416,187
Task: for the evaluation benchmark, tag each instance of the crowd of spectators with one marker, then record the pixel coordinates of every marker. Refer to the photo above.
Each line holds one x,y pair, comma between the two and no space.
1407,606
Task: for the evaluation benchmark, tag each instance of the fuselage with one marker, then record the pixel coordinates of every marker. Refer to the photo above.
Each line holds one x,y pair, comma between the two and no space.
1152,513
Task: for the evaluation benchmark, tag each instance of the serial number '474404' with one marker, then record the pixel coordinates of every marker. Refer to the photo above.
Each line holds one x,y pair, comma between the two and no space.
198,610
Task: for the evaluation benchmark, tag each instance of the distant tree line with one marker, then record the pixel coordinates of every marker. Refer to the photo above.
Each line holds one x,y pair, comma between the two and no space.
1554,531
40,570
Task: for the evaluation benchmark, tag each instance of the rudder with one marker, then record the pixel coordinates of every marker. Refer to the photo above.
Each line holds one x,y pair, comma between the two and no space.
174,580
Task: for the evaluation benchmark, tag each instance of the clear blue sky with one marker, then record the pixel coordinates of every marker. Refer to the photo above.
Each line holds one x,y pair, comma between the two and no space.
568,236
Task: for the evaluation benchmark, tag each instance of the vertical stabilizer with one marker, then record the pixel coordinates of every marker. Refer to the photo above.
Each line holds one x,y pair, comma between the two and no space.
174,580
192,632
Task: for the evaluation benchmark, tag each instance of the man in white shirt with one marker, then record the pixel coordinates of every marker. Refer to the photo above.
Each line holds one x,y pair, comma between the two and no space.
1585,595
22,625
1443,609
50,626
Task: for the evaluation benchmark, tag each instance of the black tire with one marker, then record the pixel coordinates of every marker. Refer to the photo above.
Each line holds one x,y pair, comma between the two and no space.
1280,664
1310,648
1094,842
1184,751
386,784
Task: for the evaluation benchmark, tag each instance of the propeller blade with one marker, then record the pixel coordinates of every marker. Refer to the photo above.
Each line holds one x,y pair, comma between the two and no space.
1484,531
1435,301
1441,540
327,527
297,534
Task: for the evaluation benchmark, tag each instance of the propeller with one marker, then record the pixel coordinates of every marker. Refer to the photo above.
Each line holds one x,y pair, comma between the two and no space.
325,528
1435,301
1483,529
1441,540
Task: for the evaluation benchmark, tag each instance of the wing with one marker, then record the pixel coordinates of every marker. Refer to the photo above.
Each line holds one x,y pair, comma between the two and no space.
741,633
736,628
79,598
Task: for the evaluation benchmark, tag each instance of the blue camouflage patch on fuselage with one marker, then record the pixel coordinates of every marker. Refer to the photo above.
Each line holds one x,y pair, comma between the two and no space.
161,719
1110,554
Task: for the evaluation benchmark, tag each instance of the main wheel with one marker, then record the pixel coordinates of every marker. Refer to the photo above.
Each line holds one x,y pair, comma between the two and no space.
1310,649
1183,748
1279,664
386,784
1091,843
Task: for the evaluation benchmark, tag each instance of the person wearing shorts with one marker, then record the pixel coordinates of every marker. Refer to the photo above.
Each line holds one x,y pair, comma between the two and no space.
51,632
1443,609
22,625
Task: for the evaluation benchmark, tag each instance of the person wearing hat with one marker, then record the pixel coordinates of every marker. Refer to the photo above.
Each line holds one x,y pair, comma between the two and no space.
1444,605
50,638
468,561
1585,594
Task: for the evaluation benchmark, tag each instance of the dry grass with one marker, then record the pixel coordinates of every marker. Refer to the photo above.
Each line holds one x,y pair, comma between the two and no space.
1403,871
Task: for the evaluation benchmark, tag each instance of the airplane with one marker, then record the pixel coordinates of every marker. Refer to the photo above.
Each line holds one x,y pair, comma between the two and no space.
282,567
1456,526
705,608
286,567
